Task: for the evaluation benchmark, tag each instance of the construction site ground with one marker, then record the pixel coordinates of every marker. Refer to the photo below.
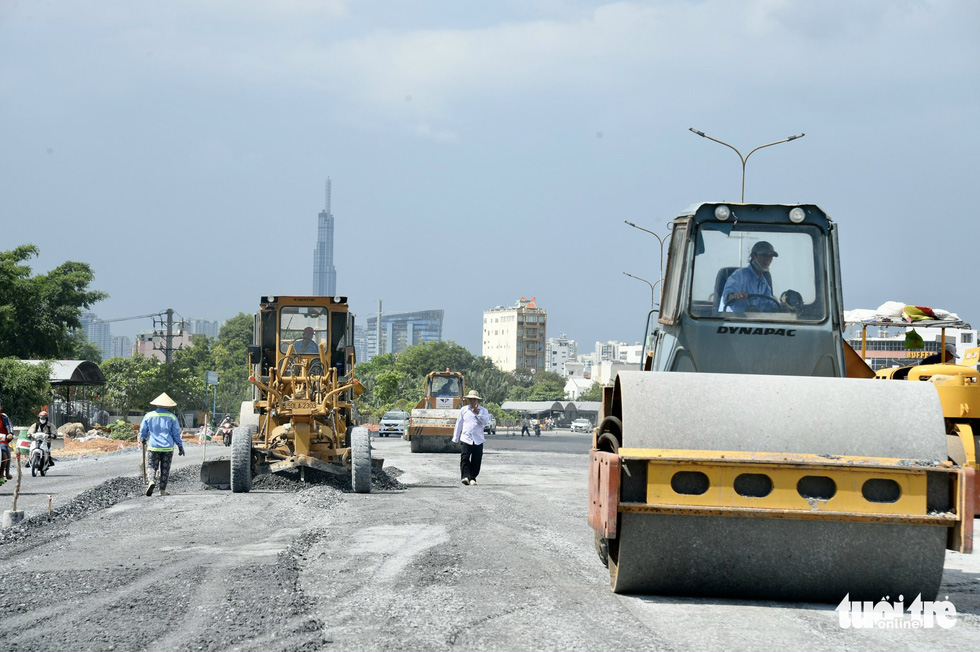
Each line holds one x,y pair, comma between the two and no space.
421,563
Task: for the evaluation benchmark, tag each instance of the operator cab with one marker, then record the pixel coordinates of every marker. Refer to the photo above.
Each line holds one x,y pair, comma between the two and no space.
749,288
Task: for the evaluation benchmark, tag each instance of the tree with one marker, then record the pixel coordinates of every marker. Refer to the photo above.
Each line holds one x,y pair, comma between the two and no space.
594,393
131,383
417,361
39,313
82,349
231,362
25,388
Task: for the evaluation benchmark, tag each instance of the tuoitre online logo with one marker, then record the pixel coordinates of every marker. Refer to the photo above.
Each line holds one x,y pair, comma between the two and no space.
893,615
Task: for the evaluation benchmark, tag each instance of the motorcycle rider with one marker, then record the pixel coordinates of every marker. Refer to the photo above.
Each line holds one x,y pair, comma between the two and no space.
43,425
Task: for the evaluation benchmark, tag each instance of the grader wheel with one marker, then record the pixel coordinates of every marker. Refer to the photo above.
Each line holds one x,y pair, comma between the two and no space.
360,451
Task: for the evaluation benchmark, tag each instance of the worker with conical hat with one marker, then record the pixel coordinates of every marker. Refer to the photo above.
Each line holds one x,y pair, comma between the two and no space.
160,433
469,434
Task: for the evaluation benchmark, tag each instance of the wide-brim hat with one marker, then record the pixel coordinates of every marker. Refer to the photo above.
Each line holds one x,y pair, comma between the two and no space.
163,401
473,394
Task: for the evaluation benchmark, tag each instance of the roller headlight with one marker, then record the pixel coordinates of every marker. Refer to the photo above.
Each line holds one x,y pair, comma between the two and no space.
723,212
797,215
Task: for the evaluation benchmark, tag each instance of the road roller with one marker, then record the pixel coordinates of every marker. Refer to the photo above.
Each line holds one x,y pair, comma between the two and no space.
749,456
433,420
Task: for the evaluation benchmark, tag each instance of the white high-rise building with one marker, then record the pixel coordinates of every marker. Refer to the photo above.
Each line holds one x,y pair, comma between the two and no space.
324,272
513,338
558,351
97,332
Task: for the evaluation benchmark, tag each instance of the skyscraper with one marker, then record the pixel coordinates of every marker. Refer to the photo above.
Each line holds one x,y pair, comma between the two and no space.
398,332
324,272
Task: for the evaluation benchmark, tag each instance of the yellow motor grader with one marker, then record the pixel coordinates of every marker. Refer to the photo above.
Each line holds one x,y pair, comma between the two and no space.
431,426
749,456
302,412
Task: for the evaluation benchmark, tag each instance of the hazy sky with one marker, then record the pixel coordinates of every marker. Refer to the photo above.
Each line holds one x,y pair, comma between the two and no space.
479,151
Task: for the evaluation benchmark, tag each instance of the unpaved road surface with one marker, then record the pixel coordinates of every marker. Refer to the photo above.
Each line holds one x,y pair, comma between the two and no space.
422,563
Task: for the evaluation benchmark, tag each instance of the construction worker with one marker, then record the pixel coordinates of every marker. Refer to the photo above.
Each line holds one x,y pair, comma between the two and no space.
306,345
159,434
469,435
6,436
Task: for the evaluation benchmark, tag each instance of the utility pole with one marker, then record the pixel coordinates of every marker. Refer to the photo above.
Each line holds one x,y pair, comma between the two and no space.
377,333
168,339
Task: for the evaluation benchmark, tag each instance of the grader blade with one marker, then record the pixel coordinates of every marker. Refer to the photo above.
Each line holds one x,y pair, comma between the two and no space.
216,474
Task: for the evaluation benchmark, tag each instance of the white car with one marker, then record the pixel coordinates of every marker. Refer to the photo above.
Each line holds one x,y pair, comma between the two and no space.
581,425
394,422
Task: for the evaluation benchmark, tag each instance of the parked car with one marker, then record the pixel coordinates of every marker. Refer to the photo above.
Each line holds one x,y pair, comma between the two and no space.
394,422
581,425
491,427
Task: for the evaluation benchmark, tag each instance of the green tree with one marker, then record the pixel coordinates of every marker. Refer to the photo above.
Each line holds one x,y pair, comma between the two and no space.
38,313
82,349
231,362
187,376
594,393
25,389
131,383
417,361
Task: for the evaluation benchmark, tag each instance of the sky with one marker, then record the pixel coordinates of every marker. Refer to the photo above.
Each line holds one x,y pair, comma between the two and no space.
479,152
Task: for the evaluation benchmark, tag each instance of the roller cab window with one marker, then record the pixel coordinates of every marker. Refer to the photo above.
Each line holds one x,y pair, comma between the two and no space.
758,273
303,327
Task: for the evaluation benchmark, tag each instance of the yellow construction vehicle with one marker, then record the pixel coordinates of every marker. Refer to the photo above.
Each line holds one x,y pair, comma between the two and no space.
430,428
749,456
301,415
958,387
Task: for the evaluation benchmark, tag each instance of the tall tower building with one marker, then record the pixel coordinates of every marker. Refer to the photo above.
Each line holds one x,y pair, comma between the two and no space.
324,272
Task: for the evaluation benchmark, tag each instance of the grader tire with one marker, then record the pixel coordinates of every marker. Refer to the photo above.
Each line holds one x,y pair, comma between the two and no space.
360,452
241,459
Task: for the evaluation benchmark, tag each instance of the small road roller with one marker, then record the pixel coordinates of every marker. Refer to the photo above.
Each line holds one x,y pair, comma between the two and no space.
433,420
301,415
750,456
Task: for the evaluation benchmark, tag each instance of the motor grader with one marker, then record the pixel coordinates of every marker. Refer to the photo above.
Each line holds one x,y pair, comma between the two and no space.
749,456
430,428
301,415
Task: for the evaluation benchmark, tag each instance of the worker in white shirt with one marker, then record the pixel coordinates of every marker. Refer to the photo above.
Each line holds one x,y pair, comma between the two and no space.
469,434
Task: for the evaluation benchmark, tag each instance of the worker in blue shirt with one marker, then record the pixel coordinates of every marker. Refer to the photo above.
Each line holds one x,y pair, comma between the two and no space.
160,433
751,280
306,345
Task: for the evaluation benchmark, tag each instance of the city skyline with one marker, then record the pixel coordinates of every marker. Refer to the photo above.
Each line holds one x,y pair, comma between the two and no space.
517,137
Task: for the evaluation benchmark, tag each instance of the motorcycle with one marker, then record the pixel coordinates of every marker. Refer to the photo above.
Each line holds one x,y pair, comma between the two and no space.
40,457
225,430
537,430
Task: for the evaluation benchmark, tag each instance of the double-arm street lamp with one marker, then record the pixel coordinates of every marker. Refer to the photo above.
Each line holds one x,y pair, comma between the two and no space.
653,291
746,157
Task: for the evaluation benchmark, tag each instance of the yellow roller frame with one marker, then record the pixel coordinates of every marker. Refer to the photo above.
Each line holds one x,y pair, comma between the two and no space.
849,473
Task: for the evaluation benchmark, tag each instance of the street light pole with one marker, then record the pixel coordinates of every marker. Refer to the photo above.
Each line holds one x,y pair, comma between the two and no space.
653,292
746,157
661,240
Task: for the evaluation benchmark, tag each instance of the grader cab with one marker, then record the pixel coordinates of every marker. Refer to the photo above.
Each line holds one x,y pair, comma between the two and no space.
302,412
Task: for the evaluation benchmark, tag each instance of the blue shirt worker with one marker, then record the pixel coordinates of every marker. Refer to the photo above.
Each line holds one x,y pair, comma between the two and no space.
469,434
160,433
751,280
306,345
